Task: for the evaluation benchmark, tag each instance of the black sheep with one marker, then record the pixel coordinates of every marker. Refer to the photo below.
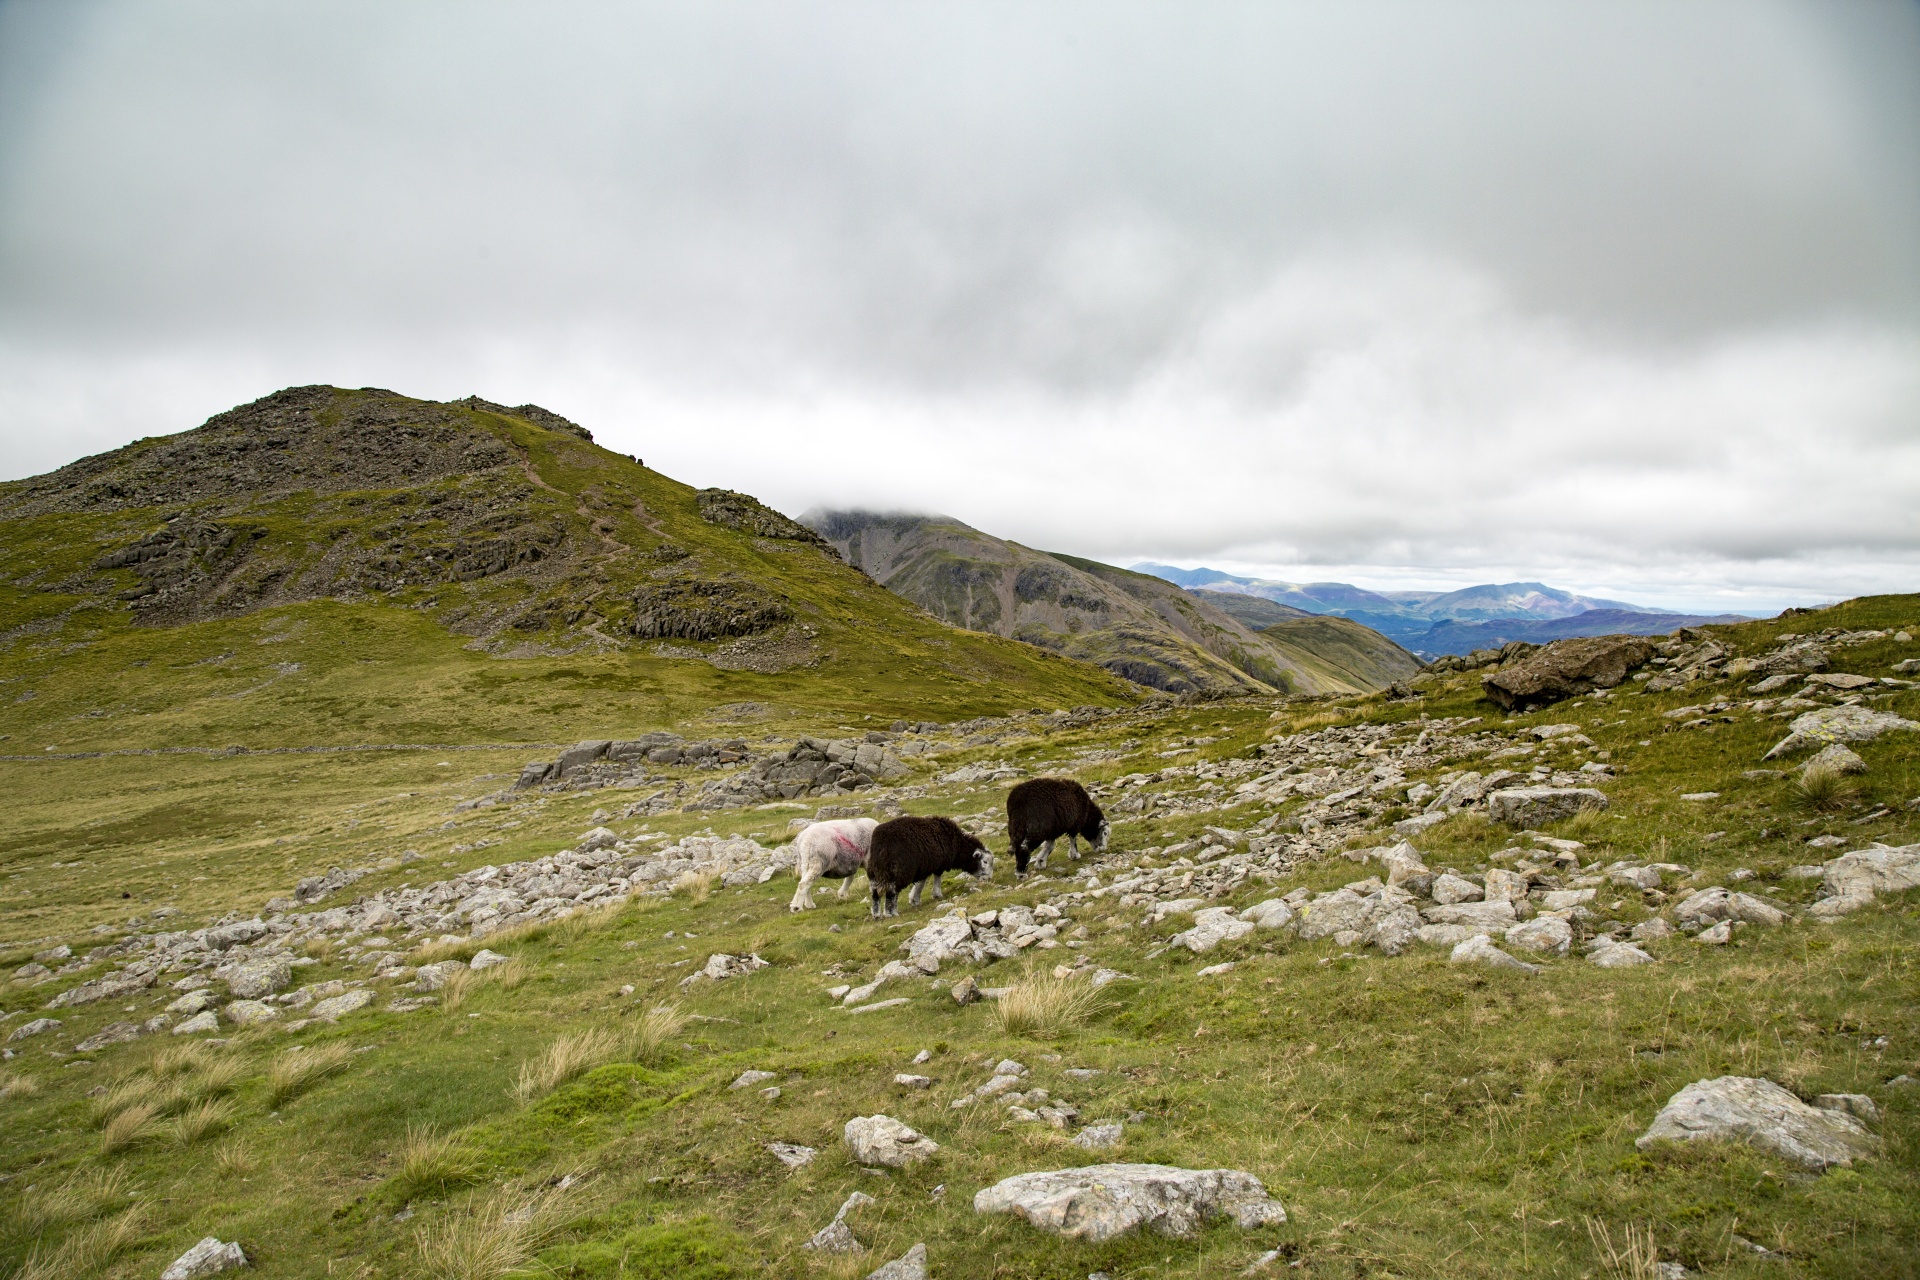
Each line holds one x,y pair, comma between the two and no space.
907,851
1041,810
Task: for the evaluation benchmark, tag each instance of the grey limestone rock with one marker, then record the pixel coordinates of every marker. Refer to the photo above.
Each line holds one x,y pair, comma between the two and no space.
209,1257
1837,758
1479,949
1621,955
252,979
112,1033
341,1005
205,1020
912,1265
34,1028
837,1236
1761,1113
792,1154
244,1013
1475,915
1449,889
1848,723
1548,934
1539,806
882,1140
1211,927
1100,1202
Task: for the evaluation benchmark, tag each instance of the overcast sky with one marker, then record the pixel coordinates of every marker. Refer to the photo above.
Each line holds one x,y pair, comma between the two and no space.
1622,297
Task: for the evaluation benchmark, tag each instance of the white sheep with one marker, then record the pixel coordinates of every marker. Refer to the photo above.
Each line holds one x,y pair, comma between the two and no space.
834,850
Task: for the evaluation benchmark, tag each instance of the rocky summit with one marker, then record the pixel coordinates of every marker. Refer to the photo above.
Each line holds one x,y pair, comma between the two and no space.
397,881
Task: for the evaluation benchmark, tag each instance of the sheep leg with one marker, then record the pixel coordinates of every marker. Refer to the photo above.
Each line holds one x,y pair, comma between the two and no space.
934,881
1073,847
913,893
845,884
803,896
893,901
875,904
1040,859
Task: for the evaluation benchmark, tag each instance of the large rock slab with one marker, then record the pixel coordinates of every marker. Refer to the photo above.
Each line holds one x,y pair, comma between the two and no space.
882,1140
252,979
1549,934
209,1257
1566,668
1709,906
911,1265
1538,806
1761,1113
1479,949
1211,927
1475,915
1838,724
1865,872
1102,1201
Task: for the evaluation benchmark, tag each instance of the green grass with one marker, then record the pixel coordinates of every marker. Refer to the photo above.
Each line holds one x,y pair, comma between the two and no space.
1416,1119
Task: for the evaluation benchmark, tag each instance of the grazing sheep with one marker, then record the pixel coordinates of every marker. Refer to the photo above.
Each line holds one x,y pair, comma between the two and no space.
1041,810
907,851
832,851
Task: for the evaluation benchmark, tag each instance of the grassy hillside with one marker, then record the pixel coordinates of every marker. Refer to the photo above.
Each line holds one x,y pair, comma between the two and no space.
507,581
1135,625
1416,1118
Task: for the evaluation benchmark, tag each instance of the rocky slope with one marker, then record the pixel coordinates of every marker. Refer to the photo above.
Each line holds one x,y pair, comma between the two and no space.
1134,625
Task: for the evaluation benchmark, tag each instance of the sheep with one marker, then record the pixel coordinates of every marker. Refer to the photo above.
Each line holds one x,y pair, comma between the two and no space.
908,851
1041,810
832,851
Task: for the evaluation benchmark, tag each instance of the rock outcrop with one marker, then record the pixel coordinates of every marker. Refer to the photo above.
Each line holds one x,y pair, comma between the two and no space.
1102,1201
1761,1113
1566,668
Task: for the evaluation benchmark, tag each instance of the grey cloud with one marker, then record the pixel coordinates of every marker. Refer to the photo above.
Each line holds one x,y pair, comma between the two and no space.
1296,282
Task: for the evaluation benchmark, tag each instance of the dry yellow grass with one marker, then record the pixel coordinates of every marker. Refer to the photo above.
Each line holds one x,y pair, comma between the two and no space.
181,1059
657,1026
696,886
13,1085
581,923
494,1238
467,948
1824,789
1041,1005
129,1127
82,1197
565,1058
1634,1258
234,1158
122,1094
431,1162
201,1121
462,983
295,1072
85,1252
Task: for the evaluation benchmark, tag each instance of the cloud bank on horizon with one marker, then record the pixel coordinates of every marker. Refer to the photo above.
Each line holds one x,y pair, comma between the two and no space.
1622,297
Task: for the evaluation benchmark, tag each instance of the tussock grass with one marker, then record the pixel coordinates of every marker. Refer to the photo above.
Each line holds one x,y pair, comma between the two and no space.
14,1085
695,886
85,1252
657,1027
1583,825
1041,1005
430,1162
130,1127
201,1121
1634,1258
568,1056
458,986
495,1238
468,948
1824,789
79,1199
592,920
292,1074
234,1158
181,1059
122,1094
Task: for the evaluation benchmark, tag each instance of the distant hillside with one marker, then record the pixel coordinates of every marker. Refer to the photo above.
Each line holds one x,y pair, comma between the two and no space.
1134,625
1464,637
1254,611
327,565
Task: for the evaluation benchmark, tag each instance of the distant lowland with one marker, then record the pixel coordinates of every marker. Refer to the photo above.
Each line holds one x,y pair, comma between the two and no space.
1432,623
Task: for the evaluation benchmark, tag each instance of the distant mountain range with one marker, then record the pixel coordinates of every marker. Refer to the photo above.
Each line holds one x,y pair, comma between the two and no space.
1436,622
1135,625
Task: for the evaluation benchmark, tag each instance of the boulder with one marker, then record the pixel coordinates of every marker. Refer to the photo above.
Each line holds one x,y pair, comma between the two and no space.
341,1005
1566,668
837,1236
484,959
911,1265
940,939
244,1013
1098,1137
1331,913
792,1154
596,839
1620,955
252,979
1837,758
1271,914
1549,934
112,1033
1475,915
1103,1201
1505,886
1211,927
1538,806
1719,903
1865,872
33,1028
1393,926
882,1140
193,1002
1449,889
205,1020
1479,949
209,1257
1761,1113
1838,724
1444,935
